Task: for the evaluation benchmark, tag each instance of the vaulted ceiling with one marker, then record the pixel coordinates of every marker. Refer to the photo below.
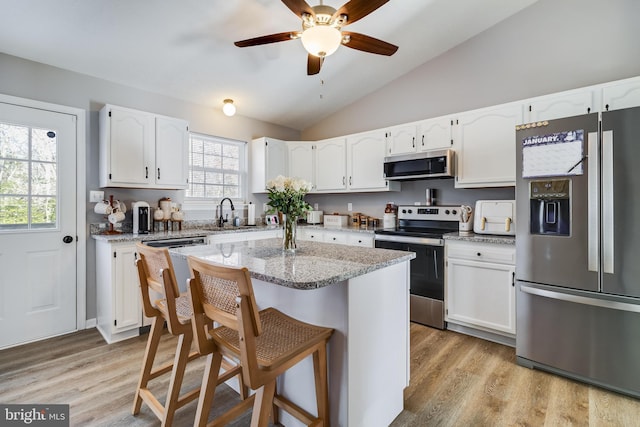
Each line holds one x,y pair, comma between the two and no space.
184,49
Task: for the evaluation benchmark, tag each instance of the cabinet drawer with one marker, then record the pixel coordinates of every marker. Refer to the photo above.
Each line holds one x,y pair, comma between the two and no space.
482,252
315,235
335,237
360,239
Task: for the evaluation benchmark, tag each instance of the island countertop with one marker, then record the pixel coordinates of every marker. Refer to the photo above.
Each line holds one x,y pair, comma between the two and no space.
313,265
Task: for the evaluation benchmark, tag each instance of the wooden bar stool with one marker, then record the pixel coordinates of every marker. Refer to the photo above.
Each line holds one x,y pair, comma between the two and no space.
267,343
157,276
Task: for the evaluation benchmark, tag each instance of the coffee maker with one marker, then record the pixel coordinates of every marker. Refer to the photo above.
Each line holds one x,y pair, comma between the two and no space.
141,217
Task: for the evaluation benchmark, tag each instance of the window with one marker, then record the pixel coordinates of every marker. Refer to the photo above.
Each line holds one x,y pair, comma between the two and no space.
28,177
217,167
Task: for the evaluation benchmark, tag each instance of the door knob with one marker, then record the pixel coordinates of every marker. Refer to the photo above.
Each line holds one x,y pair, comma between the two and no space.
67,239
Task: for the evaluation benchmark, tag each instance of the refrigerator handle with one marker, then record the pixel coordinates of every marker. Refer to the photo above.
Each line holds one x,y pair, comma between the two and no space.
593,212
579,299
607,201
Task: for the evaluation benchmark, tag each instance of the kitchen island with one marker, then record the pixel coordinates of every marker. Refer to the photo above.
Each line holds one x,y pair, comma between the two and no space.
363,293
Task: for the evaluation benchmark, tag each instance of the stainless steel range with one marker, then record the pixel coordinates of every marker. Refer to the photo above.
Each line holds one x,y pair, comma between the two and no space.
420,230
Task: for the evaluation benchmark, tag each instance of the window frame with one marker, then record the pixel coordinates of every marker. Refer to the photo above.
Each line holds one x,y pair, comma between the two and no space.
204,203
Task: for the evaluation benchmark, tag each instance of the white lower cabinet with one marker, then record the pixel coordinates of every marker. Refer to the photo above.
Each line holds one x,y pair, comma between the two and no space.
480,286
118,291
351,238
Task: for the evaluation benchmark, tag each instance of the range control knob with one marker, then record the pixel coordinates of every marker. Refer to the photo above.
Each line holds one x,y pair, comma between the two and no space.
410,211
454,212
404,211
446,212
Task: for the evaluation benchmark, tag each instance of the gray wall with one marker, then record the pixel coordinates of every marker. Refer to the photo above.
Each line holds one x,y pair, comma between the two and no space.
41,82
546,48
551,46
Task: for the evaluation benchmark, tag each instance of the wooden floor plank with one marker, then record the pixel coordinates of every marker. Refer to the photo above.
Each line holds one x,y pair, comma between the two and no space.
456,380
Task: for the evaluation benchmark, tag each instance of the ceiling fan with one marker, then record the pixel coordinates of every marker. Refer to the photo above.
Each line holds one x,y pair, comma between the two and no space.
322,33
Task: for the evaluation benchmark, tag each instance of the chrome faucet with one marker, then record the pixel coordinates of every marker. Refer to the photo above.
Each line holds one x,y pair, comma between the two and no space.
221,219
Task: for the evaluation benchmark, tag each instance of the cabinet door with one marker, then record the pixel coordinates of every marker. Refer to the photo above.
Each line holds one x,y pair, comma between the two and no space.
401,139
560,105
481,294
301,161
130,145
268,160
330,165
435,134
172,151
365,161
622,94
486,147
126,289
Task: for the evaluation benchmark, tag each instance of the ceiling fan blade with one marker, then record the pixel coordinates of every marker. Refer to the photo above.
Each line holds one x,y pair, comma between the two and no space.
358,9
271,38
299,7
368,44
313,64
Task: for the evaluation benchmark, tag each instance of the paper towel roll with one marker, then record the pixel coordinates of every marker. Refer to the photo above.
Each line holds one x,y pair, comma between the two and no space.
251,214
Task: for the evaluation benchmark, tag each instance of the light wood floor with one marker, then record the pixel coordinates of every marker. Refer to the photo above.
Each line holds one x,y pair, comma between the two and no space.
456,380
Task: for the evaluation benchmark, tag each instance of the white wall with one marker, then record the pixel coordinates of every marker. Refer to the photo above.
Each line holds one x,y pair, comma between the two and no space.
551,46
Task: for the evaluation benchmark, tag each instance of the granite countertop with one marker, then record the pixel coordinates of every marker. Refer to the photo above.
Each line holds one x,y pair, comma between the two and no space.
481,238
313,265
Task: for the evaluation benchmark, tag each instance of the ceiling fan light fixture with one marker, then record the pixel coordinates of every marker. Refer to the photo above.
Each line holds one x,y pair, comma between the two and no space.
228,108
321,40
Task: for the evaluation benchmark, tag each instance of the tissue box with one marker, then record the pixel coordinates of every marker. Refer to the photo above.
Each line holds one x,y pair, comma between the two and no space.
336,221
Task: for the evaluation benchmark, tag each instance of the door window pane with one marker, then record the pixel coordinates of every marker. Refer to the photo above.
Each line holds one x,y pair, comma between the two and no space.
28,177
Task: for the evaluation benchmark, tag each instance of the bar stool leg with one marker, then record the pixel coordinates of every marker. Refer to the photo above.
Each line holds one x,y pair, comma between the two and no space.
177,374
263,404
149,356
322,390
208,388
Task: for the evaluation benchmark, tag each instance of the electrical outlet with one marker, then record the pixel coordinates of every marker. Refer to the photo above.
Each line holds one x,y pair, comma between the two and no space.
315,206
349,207
96,196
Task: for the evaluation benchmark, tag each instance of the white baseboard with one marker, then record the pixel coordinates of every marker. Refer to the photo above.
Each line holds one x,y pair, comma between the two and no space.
90,323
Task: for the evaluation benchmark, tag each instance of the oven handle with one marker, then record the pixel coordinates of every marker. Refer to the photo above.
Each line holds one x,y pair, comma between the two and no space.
409,239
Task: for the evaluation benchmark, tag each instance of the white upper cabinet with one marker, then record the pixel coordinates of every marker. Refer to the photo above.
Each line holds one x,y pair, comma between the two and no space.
565,104
621,94
331,165
301,161
135,146
434,134
268,160
365,160
401,139
485,146
172,152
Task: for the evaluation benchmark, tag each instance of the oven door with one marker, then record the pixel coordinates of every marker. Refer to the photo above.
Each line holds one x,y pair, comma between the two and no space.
427,268
426,283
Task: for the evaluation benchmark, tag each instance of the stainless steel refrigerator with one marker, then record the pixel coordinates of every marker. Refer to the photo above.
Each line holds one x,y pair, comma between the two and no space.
578,248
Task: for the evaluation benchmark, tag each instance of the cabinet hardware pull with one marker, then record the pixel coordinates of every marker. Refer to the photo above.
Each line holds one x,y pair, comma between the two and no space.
413,142
423,140
158,173
479,254
146,172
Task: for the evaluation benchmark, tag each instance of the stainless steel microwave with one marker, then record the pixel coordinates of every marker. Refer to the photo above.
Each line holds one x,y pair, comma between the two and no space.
428,164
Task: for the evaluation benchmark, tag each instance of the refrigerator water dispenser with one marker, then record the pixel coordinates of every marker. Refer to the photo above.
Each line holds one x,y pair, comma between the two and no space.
550,203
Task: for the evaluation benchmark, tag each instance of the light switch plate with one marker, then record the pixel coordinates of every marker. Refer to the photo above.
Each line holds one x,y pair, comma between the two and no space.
96,196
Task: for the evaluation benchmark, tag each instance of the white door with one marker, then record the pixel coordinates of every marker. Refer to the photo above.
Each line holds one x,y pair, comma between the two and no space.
37,224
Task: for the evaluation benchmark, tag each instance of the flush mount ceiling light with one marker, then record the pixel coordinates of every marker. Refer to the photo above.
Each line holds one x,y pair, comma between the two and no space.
322,32
228,108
